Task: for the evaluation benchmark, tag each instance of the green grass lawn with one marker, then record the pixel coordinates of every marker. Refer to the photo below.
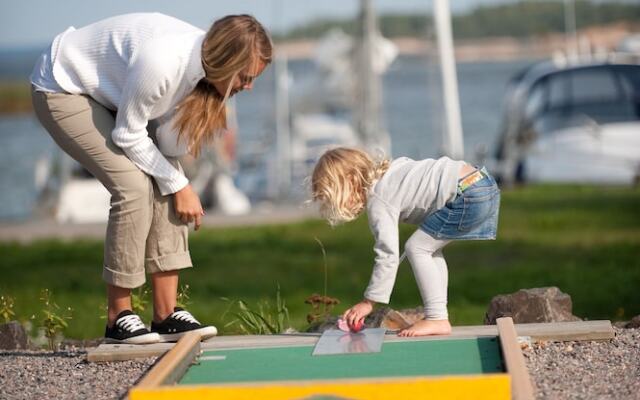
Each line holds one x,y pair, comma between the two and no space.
585,240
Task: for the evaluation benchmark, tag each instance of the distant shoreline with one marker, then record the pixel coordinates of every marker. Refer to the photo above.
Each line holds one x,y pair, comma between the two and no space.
600,38
15,97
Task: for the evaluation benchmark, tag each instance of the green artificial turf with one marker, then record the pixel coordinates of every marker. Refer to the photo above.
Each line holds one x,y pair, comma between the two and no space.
397,359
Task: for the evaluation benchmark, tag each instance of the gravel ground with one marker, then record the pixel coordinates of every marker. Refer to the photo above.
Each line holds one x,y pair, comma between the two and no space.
66,375
568,370
587,370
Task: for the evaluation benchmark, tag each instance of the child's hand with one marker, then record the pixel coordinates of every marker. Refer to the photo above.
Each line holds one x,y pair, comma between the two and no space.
356,314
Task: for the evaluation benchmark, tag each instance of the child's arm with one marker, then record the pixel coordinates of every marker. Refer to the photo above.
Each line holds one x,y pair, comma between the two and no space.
383,221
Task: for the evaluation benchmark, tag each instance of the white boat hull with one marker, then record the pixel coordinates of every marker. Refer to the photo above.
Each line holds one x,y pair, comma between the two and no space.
83,201
605,154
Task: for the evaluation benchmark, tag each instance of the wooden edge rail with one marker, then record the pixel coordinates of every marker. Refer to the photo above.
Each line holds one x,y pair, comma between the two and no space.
172,366
108,352
521,388
555,331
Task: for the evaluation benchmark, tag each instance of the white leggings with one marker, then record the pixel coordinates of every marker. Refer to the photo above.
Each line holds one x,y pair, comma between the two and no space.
430,269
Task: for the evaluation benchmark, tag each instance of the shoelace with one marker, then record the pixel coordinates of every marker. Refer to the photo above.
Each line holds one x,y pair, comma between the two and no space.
184,316
130,323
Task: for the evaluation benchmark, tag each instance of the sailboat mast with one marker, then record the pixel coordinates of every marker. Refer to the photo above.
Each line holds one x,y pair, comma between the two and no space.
453,142
369,98
281,186
571,36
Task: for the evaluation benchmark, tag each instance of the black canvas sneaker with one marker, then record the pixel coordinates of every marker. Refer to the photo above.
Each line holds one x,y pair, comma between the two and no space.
129,328
178,324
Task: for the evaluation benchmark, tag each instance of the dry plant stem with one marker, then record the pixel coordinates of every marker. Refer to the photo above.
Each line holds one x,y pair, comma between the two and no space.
324,262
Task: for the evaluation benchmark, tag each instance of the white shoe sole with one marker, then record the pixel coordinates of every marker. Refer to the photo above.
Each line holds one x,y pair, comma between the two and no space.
205,332
147,338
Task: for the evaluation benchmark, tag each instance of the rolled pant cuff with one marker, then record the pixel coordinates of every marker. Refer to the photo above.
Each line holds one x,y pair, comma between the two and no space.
436,314
169,262
119,279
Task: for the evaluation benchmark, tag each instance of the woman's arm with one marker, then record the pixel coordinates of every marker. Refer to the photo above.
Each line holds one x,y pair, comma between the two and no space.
148,80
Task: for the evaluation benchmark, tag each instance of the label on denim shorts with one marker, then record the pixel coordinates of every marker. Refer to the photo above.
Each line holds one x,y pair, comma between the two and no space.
465,183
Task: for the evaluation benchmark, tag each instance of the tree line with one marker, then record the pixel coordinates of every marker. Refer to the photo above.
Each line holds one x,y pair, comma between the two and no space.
519,19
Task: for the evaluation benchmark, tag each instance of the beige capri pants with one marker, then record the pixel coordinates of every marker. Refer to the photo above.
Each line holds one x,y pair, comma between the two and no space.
143,232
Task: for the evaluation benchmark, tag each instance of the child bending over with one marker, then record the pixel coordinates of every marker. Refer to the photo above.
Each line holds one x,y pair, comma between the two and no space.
447,199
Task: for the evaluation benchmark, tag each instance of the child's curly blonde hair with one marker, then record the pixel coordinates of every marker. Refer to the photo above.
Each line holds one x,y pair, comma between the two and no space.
340,182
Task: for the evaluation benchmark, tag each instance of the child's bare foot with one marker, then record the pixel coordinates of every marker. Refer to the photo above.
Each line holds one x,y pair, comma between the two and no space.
427,327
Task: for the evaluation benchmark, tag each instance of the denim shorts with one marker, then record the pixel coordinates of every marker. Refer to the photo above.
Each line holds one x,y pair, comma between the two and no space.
473,214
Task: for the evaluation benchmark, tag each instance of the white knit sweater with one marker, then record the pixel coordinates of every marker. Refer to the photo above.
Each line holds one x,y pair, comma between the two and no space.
408,192
141,65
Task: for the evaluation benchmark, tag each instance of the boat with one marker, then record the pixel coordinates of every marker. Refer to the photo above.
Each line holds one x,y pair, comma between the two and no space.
572,121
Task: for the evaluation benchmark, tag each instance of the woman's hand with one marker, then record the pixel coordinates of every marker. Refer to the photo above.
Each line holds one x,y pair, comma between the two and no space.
358,312
188,207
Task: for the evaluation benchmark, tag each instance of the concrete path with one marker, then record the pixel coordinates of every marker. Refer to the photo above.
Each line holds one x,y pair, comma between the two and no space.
32,230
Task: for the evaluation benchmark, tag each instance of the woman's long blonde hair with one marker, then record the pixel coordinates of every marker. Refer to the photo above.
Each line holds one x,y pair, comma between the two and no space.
232,44
340,182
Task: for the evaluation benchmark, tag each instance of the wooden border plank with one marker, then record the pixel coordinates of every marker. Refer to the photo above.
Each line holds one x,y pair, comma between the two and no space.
123,352
174,364
521,388
556,331
568,331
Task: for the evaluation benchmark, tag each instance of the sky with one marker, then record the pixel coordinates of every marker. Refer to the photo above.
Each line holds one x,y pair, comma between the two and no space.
30,23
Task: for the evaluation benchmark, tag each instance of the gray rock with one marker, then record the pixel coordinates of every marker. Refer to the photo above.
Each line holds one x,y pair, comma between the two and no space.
397,320
381,317
546,304
634,323
373,320
321,326
13,336
620,324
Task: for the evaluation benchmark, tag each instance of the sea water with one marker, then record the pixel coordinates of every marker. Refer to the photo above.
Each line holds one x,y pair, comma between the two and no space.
412,114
